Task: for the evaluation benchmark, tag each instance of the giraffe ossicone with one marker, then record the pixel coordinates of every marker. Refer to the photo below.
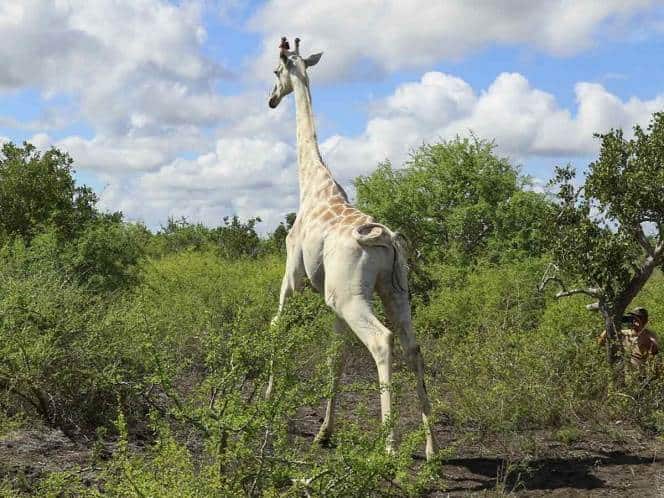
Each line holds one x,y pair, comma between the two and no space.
346,256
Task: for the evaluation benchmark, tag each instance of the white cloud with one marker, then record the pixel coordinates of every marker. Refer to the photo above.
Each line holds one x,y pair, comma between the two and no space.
524,121
363,37
168,144
244,176
131,68
67,45
253,164
117,155
252,171
146,149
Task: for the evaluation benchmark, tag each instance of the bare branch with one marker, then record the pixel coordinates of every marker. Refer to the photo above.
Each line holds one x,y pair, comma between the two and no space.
550,276
261,461
590,291
545,282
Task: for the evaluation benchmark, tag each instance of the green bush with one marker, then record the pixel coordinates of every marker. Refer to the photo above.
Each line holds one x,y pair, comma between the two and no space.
201,326
39,191
233,239
484,297
104,258
457,201
106,254
56,358
202,330
504,357
183,356
166,340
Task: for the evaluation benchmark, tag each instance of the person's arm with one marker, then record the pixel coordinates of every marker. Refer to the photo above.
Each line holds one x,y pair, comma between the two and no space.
654,346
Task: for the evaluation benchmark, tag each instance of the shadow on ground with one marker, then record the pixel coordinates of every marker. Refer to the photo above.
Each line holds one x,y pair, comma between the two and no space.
539,474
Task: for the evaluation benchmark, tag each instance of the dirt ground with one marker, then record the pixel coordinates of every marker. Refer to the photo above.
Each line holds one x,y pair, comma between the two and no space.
28,455
594,465
609,461
589,462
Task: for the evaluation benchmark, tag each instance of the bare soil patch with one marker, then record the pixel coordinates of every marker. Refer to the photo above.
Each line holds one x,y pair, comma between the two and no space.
614,461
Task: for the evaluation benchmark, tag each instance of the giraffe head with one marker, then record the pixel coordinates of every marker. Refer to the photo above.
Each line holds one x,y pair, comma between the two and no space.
291,65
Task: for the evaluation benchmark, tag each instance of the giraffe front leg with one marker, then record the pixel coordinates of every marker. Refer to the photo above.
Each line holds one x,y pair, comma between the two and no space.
289,284
335,362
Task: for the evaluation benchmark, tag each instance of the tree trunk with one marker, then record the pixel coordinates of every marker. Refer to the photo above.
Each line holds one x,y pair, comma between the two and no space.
611,339
612,325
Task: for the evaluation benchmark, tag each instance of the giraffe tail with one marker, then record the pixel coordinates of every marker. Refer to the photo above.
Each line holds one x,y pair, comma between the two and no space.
375,234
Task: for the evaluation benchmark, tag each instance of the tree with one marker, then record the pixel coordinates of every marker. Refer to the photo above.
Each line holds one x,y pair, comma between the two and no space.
237,238
181,235
457,198
608,234
38,190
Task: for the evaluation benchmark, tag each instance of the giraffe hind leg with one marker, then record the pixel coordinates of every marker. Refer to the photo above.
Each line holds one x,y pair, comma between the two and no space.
397,308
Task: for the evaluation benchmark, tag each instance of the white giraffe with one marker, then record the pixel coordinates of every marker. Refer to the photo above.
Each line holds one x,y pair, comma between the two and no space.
346,256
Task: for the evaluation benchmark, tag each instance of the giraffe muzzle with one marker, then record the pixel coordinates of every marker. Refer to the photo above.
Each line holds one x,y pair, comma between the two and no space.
274,99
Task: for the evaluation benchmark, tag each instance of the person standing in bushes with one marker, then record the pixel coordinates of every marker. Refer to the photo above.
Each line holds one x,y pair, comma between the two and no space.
639,342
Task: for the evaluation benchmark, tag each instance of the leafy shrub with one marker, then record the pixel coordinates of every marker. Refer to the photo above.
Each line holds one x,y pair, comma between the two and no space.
180,235
106,254
233,239
167,339
56,359
104,258
202,329
568,434
506,359
38,191
482,298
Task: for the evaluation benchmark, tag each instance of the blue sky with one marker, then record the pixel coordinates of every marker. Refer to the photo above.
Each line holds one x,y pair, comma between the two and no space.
163,104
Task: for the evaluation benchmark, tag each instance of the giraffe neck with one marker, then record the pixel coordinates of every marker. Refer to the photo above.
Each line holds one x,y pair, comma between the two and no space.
313,174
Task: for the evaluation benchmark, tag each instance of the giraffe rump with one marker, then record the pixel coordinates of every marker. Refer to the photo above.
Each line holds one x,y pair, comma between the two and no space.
375,234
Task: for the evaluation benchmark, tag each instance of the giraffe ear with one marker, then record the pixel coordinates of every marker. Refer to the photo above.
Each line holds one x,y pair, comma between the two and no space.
312,60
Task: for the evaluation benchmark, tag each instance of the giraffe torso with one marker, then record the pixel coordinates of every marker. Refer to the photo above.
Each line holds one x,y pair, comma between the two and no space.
324,224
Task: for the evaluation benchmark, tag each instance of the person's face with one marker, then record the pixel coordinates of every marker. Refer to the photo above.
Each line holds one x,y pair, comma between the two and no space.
639,323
